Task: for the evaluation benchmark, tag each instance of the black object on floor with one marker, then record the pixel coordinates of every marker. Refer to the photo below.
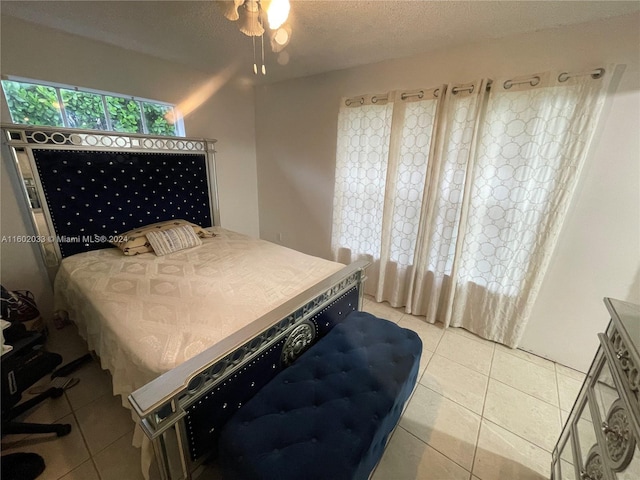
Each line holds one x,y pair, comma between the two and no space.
11,427
66,369
22,466
21,368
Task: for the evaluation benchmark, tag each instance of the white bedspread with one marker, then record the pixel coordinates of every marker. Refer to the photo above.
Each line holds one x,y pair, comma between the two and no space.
145,314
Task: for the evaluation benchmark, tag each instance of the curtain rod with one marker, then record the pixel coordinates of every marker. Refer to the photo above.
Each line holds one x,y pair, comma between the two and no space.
375,99
563,77
595,74
456,90
349,101
419,94
533,81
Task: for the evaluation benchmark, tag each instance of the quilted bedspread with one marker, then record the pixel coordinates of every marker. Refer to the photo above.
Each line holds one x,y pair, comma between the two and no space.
145,314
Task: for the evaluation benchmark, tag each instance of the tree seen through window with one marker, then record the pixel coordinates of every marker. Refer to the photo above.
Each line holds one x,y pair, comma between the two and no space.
34,104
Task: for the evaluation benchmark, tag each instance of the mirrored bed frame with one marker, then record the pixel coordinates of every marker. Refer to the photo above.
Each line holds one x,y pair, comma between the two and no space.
72,185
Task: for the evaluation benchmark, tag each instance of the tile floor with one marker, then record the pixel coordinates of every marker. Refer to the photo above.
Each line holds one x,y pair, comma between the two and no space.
481,411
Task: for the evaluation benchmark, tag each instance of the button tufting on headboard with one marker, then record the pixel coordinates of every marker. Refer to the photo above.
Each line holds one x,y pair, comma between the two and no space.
96,194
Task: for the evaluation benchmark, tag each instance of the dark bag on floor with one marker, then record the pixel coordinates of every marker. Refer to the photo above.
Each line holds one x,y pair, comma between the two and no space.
19,372
20,306
22,466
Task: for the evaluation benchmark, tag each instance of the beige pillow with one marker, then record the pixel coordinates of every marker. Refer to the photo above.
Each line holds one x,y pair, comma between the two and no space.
172,240
136,241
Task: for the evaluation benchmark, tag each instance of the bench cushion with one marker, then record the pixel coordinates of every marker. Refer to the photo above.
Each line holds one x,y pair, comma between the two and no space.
329,414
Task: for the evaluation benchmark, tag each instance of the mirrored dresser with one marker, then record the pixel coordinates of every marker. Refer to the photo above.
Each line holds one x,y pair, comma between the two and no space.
600,439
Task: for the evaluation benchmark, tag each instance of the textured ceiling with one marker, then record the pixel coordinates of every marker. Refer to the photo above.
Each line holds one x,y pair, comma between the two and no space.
326,35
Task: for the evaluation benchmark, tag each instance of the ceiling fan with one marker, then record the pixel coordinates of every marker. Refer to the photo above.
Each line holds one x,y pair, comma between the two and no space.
253,15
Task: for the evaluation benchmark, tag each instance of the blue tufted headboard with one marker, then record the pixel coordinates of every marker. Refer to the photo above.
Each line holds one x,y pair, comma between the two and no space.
101,194
92,185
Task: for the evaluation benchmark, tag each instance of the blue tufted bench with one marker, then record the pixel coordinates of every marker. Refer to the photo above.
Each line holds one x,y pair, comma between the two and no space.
329,414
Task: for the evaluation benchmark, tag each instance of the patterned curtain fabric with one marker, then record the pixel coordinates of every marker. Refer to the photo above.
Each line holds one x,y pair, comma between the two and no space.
457,195
362,157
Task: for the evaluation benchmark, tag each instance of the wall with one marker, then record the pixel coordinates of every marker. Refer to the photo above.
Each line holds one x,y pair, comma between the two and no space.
598,253
40,53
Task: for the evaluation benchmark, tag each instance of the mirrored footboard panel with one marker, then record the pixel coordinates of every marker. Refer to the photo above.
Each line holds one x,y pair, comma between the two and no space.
183,411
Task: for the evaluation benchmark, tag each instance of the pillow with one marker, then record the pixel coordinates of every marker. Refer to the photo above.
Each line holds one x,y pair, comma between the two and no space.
173,239
136,240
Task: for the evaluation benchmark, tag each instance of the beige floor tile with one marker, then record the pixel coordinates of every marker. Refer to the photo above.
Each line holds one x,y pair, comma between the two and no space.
436,439
86,471
501,455
541,362
93,383
443,424
522,414
103,421
526,376
429,334
61,454
568,389
570,372
120,460
66,342
48,411
456,382
407,457
467,352
568,470
383,310
469,335
425,358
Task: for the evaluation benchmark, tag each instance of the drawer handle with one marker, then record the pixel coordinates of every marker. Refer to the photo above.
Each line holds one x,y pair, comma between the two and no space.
622,355
585,476
615,431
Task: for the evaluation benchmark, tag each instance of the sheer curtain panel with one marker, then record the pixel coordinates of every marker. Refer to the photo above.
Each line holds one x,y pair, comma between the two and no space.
457,194
364,130
532,145
380,184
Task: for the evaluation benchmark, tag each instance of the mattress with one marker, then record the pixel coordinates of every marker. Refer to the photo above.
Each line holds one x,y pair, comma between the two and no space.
145,314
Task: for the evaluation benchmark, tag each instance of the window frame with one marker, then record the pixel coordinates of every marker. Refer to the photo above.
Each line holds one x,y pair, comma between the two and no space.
179,123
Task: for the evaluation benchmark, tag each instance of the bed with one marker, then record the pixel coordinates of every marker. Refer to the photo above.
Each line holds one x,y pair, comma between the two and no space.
189,336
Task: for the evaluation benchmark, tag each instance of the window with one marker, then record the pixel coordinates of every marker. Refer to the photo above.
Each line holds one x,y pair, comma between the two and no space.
37,103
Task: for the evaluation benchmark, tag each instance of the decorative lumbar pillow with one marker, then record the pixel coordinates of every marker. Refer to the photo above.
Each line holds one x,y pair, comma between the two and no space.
172,240
136,242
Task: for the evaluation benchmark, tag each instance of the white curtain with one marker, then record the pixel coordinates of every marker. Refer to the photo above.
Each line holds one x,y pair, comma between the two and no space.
457,195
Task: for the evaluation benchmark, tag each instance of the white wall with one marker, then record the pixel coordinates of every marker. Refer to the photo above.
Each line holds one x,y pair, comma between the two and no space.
40,53
599,251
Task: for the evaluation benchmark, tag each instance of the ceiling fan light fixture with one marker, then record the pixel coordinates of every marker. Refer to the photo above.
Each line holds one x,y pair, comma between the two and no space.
277,13
251,18
250,23
280,39
282,36
231,10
